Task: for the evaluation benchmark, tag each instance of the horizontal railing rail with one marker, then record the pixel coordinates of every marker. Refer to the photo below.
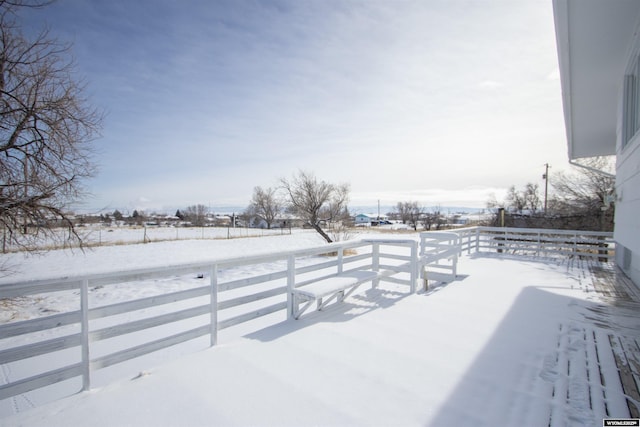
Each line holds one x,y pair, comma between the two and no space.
439,251
539,242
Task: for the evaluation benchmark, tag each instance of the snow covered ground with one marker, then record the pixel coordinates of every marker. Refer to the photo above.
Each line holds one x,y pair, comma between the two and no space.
98,234
63,263
512,343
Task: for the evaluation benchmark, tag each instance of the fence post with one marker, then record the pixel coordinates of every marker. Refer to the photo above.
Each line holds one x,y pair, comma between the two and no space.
414,266
457,241
84,326
603,252
291,281
214,305
469,240
375,262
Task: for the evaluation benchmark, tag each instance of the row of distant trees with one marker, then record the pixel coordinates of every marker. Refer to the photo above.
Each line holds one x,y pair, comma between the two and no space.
314,201
195,215
320,203
583,199
414,214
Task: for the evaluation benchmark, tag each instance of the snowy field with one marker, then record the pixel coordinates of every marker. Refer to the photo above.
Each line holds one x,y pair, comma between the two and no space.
161,251
98,234
511,343
125,234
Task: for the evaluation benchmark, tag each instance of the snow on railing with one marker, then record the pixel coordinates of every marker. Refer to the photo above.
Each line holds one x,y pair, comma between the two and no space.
90,335
539,242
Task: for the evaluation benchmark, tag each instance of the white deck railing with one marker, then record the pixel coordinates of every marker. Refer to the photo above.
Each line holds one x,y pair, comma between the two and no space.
439,251
538,242
199,310
202,309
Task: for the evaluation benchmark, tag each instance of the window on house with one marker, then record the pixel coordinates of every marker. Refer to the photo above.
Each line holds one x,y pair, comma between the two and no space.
631,106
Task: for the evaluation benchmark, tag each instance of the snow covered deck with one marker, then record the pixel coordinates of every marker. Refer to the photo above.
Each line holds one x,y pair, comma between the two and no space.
514,342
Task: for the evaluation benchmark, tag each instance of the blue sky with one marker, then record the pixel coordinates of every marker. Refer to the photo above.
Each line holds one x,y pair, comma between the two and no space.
443,101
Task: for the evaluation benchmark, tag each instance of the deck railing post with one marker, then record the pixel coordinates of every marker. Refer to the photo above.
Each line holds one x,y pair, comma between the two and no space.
214,305
414,266
477,240
340,259
375,261
291,281
457,242
84,327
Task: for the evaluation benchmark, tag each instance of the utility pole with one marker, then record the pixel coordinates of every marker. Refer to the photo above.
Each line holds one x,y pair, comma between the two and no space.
546,185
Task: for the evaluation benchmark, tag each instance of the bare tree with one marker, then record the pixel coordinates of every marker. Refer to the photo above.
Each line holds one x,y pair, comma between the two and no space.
46,130
531,197
403,211
582,200
434,217
525,199
265,204
493,203
515,200
197,214
410,212
587,192
586,189
316,201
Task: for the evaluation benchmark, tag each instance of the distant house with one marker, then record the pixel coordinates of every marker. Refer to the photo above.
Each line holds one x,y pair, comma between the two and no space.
221,220
369,219
599,56
362,219
282,221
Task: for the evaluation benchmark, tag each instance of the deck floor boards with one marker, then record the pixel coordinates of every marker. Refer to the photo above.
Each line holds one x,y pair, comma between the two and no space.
624,337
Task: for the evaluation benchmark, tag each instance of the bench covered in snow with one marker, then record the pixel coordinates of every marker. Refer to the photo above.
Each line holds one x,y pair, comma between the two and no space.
325,290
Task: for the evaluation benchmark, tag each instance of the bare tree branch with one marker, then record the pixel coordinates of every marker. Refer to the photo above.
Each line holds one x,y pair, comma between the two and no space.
315,201
265,204
46,129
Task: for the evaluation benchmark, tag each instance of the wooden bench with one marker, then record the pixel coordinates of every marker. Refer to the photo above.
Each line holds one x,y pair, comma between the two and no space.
336,287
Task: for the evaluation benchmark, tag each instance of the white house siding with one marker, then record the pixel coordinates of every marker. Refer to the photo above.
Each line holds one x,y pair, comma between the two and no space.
627,217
